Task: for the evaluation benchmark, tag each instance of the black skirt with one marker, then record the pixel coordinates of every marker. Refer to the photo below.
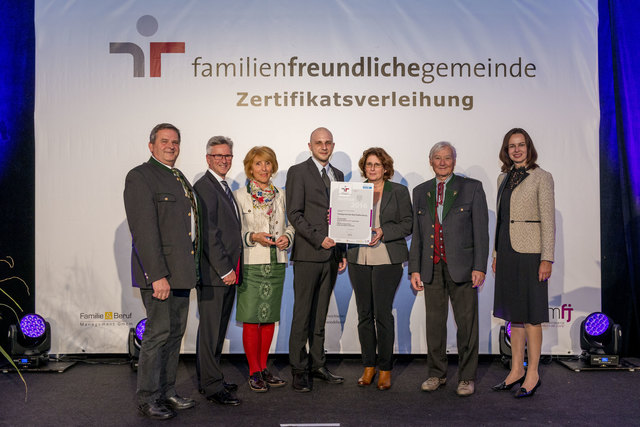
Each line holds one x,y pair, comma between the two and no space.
519,297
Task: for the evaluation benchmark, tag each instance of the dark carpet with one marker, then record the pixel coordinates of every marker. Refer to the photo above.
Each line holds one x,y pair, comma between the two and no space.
101,392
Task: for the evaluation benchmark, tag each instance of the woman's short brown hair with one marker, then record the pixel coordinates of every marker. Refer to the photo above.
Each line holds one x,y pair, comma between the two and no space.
385,159
532,154
263,152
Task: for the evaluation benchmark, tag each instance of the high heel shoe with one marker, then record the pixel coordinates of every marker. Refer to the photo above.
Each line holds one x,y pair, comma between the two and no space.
502,386
367,376
384,380
524,393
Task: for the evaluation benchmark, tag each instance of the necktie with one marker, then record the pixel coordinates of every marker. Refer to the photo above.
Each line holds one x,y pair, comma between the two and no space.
440,192
438,250
194,207
227,191
326,179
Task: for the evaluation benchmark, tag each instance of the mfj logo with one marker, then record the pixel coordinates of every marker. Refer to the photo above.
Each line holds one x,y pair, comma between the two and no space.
147,26
560,314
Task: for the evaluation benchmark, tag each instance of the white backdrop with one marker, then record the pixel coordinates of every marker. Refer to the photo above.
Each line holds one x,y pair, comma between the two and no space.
93,118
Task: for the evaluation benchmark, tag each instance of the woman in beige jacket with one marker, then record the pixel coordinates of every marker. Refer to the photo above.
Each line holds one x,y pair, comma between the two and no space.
523,256
266,237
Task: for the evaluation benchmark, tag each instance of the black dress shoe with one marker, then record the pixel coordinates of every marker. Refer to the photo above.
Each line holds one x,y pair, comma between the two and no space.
524,393
272,380
503,386
229,386
177,403
156,410
224,398
301,382
326,375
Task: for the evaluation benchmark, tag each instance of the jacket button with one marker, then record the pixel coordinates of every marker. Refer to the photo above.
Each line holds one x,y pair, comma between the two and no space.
433,226
461,209
166,198
189,234
189,214
432,236
512,221
431,246
431,257
192,252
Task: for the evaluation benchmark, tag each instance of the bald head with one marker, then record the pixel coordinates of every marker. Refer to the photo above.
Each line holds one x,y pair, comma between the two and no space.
321,145
320,131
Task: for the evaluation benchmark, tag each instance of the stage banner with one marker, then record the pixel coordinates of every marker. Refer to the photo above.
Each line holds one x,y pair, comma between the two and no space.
401,75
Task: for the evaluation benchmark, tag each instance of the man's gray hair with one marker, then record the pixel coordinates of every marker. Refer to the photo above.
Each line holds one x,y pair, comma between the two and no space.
219,140
439,146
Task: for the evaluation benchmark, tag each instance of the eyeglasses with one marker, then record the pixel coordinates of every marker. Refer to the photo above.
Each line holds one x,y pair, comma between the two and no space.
219,157
373,165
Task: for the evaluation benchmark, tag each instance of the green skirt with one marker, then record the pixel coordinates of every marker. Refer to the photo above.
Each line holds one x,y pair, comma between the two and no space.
260,295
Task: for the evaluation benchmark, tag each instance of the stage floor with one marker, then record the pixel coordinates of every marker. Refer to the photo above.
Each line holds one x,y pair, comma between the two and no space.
99,393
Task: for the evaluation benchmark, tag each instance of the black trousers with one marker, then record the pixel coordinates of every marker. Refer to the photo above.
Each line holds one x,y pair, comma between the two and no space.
464,301
160,348
375,287
313,283
214,307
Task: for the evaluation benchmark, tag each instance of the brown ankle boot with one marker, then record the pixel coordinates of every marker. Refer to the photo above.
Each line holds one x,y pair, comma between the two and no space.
384,380
367,376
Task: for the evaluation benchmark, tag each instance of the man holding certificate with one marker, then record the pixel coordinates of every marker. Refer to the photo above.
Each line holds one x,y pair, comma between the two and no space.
316,257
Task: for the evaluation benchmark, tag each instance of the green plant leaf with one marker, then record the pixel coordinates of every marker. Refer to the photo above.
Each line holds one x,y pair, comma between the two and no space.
6,356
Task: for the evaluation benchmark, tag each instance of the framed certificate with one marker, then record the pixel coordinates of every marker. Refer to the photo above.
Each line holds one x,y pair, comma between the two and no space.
351,212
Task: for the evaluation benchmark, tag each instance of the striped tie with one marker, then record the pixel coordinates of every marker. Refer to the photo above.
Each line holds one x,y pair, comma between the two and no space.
227,191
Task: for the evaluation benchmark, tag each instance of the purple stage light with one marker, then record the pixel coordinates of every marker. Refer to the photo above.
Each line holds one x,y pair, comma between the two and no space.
596,324
508,328
32,326
140,329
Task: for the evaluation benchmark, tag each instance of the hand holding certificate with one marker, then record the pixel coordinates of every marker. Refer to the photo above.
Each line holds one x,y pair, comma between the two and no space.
351,212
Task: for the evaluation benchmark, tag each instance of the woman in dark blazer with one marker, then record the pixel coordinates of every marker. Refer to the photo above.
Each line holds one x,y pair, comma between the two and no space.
523,256
375,269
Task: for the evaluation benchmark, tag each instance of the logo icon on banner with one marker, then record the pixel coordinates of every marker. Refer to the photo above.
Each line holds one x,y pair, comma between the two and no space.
147,26
560,313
